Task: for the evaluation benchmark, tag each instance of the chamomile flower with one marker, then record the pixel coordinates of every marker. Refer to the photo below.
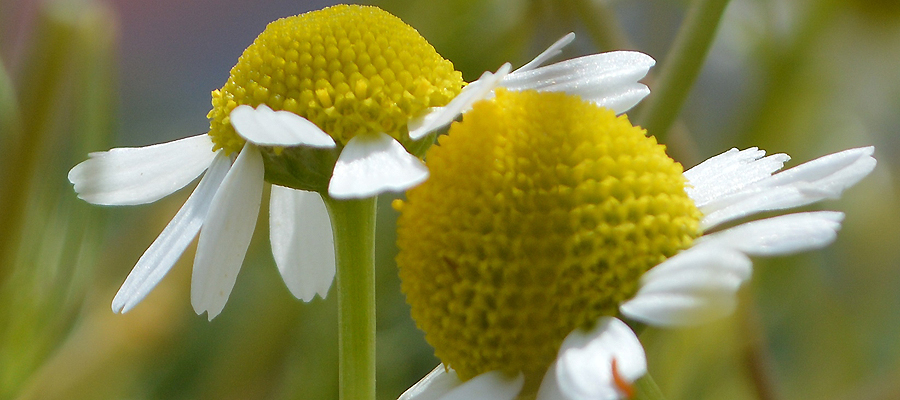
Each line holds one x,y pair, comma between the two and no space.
546,217
319,94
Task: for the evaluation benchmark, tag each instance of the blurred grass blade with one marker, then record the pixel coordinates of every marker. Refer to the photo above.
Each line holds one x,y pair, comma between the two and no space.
50,241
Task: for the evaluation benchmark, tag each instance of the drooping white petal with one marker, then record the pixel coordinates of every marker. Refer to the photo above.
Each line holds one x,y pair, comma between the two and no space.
554,50
729,172
302,241
607,79
693,287
589,363
138,175
438,117
162,254
374,163
226,233
437,383
823,178
265,127
780,235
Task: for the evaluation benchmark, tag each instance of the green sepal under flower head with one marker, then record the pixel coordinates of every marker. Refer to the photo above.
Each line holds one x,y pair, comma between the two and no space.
349,69
541,213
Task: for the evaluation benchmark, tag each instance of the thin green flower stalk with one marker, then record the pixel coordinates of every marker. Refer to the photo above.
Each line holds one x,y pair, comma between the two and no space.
681,66
353,222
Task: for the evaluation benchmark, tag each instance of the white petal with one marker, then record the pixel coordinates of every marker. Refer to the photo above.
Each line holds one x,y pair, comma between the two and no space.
438,117
780,235
554,50
441,384
374,163
138,175
162,254
832,173
493,385
823,178
302,242
607,79
227,232
265,127
693,287
437,383
729,172
584,367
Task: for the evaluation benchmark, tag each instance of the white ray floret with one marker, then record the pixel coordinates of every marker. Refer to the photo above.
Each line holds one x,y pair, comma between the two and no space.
590,362
608,79
227,231
443,384
438,117
374,163
785,234
302,241
139,175
554,50
265,127
693,287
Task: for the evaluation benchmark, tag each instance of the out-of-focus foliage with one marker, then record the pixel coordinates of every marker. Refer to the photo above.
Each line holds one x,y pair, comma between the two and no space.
805,77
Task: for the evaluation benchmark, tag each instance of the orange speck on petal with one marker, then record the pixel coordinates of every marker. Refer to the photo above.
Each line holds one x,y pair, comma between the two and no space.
623,385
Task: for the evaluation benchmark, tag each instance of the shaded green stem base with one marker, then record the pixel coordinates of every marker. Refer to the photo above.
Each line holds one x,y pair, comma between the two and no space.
353,223
681,66
646,389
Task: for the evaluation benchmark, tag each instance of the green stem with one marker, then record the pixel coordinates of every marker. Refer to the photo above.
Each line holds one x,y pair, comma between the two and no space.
601,24
681,66
353,223
646,389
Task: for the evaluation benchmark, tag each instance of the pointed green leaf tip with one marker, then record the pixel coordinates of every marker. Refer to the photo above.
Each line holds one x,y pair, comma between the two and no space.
349,69
541,213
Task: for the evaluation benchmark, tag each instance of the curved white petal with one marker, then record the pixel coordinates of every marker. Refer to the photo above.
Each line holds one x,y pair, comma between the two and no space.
138,175
693,287
265,127
227,232
831,173
554,50
607,79
443,384
162,254
438,117
780,235
374,163
823,178
302,241
437,383
595,364
730,172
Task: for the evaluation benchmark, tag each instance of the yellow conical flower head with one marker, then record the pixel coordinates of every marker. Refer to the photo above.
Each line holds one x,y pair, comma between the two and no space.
348,69
540,215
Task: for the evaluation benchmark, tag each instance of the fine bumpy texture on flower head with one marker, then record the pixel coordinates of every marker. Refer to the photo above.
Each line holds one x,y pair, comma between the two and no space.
348,69
540,216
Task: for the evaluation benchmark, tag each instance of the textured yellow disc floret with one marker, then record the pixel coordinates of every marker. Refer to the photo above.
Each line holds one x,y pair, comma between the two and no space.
348,69
541,213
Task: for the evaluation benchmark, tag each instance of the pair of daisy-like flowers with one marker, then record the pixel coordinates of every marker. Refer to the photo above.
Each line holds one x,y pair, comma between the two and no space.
694,286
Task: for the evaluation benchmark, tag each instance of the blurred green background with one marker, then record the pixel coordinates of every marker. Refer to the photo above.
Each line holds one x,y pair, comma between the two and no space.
804,77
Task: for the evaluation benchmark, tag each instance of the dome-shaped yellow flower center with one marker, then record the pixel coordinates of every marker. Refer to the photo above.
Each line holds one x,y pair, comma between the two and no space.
541,213
348,69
